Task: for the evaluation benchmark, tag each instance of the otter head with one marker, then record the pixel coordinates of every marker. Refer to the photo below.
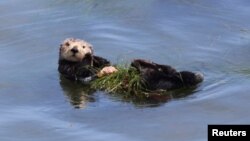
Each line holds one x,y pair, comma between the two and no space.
75,50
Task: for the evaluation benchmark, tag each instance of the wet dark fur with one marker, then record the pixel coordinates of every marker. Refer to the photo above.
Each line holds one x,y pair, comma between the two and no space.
77,70
165,77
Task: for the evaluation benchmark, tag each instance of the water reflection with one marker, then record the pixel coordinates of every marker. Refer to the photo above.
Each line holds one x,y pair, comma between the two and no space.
156,99
79,95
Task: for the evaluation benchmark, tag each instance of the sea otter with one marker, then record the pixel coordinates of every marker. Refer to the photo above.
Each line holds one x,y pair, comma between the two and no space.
78,62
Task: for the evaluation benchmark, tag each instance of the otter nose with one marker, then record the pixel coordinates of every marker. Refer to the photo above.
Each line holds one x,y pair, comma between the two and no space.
74,50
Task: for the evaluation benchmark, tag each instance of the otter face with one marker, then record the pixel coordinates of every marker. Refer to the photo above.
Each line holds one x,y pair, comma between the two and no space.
74,50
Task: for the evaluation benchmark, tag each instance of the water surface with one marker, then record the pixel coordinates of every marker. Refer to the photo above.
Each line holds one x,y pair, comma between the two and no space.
208,36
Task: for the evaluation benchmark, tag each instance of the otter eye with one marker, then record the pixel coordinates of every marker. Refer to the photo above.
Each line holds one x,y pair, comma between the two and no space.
67,44
83,46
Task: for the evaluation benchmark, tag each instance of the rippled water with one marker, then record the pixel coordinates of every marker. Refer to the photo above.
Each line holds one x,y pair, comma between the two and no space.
208,36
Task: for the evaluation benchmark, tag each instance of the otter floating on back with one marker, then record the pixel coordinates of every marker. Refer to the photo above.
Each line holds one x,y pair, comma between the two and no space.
78,62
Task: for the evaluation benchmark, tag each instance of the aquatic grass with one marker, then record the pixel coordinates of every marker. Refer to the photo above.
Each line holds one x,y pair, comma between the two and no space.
126,81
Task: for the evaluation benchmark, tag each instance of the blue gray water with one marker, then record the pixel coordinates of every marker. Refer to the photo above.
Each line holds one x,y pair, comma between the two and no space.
208,36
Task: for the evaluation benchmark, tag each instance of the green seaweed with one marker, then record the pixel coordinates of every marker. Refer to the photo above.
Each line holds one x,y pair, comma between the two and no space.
126,81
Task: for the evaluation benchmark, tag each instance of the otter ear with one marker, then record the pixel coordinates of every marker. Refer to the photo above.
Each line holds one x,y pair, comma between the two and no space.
68,40
71,39
61,47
